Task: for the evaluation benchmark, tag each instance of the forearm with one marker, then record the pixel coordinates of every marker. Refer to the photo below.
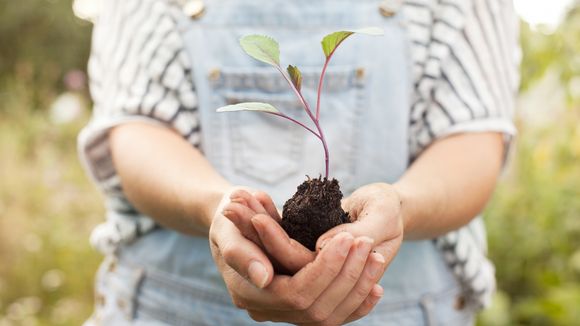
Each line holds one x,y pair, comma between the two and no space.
166,178
449,184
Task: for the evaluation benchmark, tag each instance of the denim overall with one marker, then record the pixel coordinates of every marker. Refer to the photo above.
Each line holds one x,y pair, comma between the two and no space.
166,277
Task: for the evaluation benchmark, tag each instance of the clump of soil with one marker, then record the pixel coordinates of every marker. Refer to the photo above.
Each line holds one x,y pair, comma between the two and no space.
313,210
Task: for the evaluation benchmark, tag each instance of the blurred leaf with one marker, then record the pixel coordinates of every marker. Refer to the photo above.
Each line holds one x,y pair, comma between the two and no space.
249,106
331,41
295,76
262,48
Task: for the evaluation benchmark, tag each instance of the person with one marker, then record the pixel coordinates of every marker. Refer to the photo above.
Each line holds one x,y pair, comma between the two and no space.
418,124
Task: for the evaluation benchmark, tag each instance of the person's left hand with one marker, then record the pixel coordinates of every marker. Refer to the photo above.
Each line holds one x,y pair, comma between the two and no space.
375,212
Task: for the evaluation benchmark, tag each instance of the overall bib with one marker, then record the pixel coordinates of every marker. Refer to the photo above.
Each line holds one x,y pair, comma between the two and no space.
166,277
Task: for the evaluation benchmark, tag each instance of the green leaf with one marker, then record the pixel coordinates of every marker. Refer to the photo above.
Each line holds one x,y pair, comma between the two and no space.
249,106
331,41
262,48
295,75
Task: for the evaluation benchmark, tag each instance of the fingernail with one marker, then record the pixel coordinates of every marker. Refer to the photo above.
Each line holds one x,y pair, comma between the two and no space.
228,213
363,246
378,291
238,200
258,226
377,264
258,274
345,245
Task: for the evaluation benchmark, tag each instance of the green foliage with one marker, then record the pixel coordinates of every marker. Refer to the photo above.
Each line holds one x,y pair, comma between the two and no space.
534,227
40,40
249,106
47,209
331,41
262,48
556,50
295,76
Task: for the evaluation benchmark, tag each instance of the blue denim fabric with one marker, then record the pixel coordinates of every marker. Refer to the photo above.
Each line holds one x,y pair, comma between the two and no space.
170,279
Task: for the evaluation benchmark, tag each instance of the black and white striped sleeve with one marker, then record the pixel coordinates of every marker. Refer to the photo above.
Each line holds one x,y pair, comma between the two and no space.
467,72
138,71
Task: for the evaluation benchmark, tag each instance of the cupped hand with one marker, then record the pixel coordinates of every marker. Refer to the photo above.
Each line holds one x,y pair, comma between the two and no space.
375,211
257,218
234,252
336,286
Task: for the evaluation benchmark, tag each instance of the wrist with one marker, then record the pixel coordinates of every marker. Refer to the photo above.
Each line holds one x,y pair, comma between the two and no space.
212,204
216,200
406,206
204,207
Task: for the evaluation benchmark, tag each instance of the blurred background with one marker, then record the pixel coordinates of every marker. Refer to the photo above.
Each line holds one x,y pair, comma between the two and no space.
48,206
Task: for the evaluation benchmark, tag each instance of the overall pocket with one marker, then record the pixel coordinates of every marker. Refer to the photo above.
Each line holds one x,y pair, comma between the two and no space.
271,149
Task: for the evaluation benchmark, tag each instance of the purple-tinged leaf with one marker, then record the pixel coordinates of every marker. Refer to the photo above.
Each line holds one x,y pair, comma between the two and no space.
295,76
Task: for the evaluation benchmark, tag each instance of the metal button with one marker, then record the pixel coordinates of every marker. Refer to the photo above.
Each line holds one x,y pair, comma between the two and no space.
360,73
460,302
214,74
194,8
389,8
99,299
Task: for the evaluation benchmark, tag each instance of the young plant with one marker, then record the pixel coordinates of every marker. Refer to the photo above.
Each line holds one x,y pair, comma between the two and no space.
315,207
267,50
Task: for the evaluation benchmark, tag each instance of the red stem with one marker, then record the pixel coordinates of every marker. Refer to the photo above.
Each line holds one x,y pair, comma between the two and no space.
314,120
325,146
320,82
295,121
298,94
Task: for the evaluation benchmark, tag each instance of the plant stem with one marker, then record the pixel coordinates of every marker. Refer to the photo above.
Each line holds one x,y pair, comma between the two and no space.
325,146
314,120
295,121
298,94
320,86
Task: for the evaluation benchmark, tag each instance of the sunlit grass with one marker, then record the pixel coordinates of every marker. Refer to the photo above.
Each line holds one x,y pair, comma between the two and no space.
534,228
47,208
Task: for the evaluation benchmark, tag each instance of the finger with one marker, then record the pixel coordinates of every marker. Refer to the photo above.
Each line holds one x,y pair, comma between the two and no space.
288,297
373,271
244,256
268,204
241,216
344,282
309,283
289,253
389,249
368,305
369,222
245,198
304,319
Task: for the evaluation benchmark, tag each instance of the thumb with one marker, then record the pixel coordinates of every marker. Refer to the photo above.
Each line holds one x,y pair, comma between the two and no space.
231,250
374,218
249,261
357,229
387,246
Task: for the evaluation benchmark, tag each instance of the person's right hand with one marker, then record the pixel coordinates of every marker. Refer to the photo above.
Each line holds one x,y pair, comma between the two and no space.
337,286
257,218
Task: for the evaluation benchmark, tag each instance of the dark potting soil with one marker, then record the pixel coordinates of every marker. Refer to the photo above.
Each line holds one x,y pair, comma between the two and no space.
313,210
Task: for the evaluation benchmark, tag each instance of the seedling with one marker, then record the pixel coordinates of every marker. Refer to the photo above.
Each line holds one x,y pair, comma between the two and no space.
267,50
315,207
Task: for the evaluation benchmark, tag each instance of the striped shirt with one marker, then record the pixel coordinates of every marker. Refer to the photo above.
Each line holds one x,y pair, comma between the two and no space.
465,60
